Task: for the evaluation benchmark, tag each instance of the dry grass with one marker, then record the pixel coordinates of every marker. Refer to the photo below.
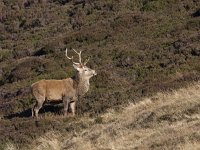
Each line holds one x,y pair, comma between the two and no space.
51,141
10,146
164,121
160,122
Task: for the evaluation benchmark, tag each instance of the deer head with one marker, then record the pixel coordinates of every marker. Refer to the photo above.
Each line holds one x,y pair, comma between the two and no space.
84,71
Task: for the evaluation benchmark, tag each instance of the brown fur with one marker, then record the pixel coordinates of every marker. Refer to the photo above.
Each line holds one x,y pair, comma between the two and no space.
67,90
54,89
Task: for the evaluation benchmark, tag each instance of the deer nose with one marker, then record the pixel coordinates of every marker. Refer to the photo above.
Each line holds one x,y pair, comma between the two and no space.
95,73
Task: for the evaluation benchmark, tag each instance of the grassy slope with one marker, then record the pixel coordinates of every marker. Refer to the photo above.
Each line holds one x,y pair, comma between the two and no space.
137,47
164,121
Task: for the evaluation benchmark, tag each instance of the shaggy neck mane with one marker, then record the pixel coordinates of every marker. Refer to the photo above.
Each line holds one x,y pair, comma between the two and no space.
82,85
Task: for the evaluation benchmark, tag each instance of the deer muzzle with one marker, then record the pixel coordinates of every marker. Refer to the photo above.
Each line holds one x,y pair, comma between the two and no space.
94,73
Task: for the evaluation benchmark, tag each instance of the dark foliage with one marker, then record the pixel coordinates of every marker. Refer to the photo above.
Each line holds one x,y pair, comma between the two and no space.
137,47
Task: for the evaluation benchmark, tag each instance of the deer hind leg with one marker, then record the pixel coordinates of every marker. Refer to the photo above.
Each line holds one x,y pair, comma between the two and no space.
73,108
66,102
38,106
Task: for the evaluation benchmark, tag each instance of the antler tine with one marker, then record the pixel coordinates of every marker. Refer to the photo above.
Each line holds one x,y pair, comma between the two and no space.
86,61
71,58
79,55
67,55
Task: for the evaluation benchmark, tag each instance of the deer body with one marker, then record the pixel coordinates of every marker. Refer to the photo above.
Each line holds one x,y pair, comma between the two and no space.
53,90
68,90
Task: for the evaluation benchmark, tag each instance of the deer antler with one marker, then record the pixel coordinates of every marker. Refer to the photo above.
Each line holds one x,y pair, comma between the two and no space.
86,61
79,55
71,58
67,55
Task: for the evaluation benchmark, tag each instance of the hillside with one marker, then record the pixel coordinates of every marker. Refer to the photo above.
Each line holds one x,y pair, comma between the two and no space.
164,121
138,48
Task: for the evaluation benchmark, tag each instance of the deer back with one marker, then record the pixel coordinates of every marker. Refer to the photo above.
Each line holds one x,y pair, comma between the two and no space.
54,89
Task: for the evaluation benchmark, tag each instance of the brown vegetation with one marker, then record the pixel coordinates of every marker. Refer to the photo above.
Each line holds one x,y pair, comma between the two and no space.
137,47
164,121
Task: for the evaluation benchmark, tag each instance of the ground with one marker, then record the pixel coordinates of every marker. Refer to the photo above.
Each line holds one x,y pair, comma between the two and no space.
138,48
164,121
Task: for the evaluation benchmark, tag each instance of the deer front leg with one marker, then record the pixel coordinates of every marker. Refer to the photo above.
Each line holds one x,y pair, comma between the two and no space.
73,106
66,101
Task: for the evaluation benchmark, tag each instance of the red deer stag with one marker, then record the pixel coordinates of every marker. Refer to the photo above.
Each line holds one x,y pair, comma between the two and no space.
68,90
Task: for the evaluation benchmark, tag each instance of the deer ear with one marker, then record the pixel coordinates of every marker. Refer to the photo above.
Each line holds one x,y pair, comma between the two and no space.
77,67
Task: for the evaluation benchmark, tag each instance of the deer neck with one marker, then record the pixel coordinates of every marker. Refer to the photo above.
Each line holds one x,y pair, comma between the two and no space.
82,85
